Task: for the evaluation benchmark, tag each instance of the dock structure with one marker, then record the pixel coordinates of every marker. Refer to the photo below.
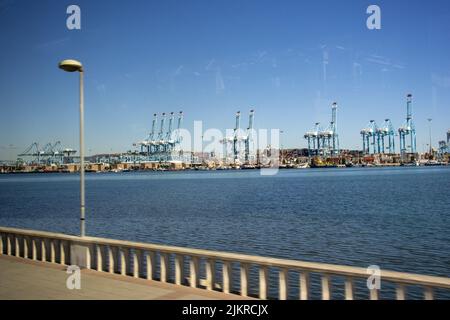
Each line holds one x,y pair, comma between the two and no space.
133,270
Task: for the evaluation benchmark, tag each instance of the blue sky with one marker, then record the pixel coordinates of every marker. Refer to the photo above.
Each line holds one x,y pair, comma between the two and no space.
287,59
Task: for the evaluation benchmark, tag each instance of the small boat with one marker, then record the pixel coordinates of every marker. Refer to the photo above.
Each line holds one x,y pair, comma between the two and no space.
432,163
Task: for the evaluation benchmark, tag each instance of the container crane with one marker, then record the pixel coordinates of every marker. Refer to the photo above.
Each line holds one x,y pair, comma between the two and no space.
408,130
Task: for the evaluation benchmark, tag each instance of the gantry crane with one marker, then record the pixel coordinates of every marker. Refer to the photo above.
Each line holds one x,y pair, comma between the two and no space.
408,130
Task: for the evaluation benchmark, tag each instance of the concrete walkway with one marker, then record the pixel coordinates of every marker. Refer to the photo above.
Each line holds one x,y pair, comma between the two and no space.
26,279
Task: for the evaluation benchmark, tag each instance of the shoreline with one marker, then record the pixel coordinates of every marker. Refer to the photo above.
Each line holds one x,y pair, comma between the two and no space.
189,169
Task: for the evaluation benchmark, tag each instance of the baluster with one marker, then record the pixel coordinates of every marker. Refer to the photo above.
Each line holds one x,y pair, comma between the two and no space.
164,266
62,253
373,294
111,259
52,251
325,287
227,275
25,247
179,269
33,249
134,257
141,261
150,264
244,279
263,278
401,292
88,256
123,261
304,285
8,244
210,274
43,250
428,293
348,289
283,277
17,246
194,271
98,249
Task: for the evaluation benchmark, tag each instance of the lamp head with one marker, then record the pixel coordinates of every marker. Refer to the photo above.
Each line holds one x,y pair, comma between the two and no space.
71,65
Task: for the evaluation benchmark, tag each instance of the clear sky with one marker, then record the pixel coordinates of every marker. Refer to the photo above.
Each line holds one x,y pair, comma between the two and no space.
287,59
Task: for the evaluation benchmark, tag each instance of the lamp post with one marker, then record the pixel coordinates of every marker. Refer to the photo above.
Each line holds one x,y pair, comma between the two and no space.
431,148
281,146
72,66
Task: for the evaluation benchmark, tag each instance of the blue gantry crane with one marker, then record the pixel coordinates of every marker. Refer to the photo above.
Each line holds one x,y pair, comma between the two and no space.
329,136
249,136
236,140
386,130
444,147
408,130
48,155
374,137
148,146
312,137
324,142
161,145
369,137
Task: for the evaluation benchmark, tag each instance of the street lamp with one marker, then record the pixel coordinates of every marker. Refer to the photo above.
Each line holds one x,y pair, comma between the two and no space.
72,66
281,146
431,147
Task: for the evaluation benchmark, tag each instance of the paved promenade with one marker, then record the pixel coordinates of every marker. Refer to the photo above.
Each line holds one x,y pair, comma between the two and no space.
26,279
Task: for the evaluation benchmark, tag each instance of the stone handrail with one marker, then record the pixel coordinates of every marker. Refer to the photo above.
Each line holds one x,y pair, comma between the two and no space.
141,260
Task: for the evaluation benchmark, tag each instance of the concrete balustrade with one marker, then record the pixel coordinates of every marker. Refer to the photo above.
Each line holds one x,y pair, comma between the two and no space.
139,260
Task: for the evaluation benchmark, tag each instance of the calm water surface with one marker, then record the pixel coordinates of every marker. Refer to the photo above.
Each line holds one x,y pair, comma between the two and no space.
397,218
